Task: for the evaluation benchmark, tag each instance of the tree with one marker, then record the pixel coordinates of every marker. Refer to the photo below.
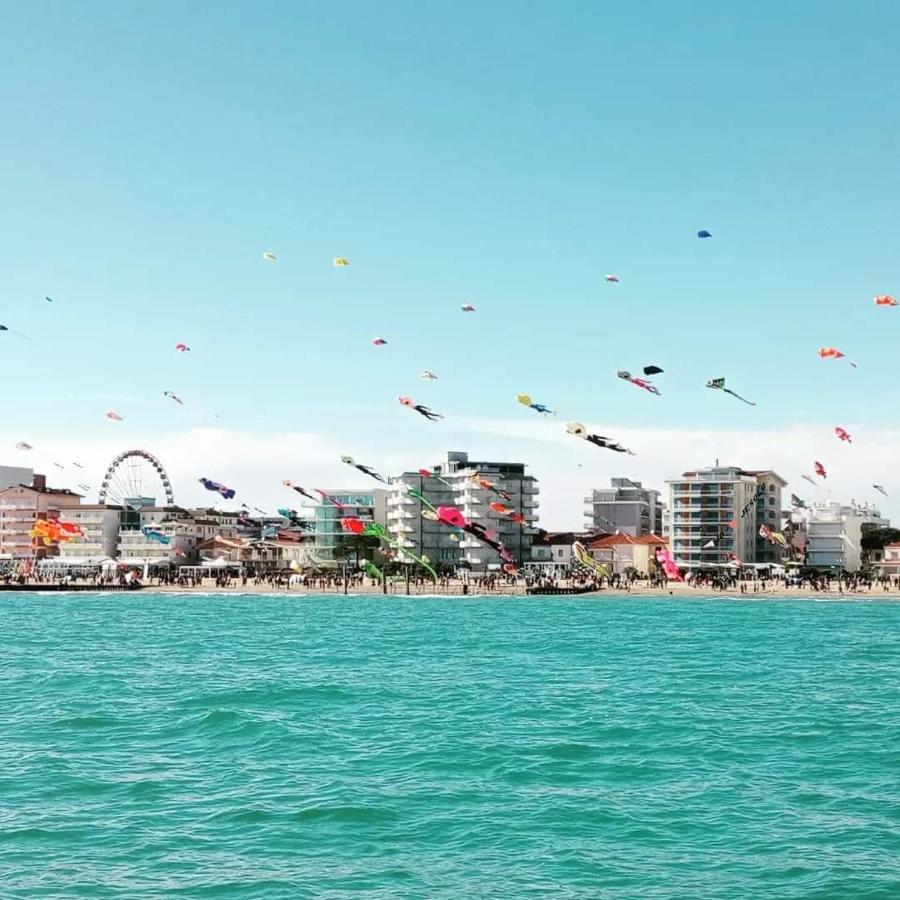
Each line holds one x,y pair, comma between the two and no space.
877,538
355,547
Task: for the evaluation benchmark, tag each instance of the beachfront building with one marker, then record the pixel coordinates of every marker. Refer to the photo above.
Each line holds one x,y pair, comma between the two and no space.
551,551
834,534
716,513
100,522
626,507
333,545
451,483
21,506
623,552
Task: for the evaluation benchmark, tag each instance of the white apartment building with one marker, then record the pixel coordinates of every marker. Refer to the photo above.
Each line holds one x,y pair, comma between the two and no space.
100,523
446,546
725,505
626,507
21,506
834,534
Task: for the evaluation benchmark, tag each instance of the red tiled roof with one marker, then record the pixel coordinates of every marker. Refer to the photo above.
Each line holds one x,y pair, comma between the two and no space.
618,540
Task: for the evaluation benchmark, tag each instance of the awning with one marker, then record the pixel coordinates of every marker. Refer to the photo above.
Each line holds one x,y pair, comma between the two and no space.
72,562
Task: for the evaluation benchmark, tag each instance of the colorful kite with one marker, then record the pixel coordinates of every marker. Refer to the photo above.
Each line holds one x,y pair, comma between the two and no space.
584,559
115,417
339,262
486,485
154,534
372,570
379,341
182,348
427,473
299,490
364,469
885,300
525,400
843,435
638,382
373,529
834,353
217,488
664,559
409,403
820,470
718,384
774,537
327,498
576,429
178,400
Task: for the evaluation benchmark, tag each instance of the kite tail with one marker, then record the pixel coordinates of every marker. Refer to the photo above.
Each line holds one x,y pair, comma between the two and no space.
742,399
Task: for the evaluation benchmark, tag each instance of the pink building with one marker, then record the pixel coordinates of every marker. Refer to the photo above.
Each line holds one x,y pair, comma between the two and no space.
21,506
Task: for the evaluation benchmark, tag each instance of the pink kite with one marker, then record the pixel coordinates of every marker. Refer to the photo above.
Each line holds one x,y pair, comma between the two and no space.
885,300
810,480
114,416
182,347
379,342
638,382
843,435
664,558
820,470
329,499
834,353
467,307
354,526
451,516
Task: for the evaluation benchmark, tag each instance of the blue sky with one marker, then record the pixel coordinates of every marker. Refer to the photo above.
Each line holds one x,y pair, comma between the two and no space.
505,154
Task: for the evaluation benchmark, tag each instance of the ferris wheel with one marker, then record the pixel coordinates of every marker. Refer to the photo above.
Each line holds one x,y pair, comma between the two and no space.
134,474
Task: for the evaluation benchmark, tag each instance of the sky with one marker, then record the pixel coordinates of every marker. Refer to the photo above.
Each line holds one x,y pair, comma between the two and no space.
508,155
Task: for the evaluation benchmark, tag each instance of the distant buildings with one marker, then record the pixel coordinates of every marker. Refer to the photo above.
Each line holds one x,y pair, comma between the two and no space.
21,506
330,538
621,552
625,506
452,483
551,551
834,534
716,514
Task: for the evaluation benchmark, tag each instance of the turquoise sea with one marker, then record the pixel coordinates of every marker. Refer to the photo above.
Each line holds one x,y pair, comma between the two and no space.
163,746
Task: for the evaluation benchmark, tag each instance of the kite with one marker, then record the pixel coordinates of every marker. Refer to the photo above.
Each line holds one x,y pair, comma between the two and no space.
339,262
467,307
810,480
78,465
885,300
880,489
373,529
23,446
227,493
16,333
154,535
420,409
379,341
299,490
48,299
84,487
178,400
664,559
269,256
584,559
525,400
652,370
612,279
181,348
638,382
429,376
115,417
774,537
797,502
703,233
327,498
718,384
834,353
372,570
576,429
364,469
709,545
52,531
294,519
843,435
426,473
58,465
820,470
486,485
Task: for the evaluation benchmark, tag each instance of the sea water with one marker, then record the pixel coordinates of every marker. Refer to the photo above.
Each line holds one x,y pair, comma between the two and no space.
166,746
